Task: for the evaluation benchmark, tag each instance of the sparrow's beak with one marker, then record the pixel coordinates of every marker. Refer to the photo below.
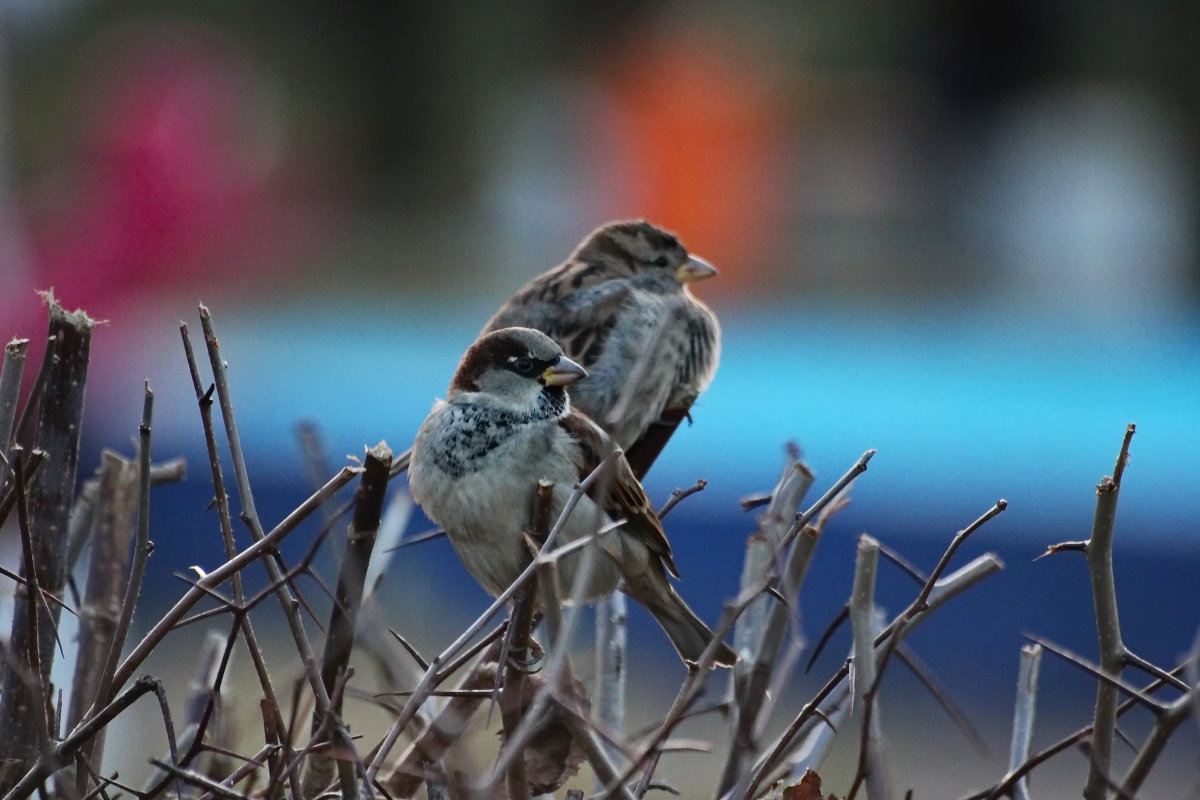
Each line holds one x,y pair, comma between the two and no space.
694,269
563,373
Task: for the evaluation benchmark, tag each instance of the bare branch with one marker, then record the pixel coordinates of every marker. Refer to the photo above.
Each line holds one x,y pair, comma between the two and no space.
942,591
760,632
1113,681
250,516
221,500
1172,717
679,495
520,627
410,770
55,428
199,781
102,600
612,617
343,619
58,755
141,554
1026,705
863,674
834,491
222,573
430,678
1005,786
10,388
1108,625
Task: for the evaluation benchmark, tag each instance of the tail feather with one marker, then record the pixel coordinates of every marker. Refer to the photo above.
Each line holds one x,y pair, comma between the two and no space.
687,632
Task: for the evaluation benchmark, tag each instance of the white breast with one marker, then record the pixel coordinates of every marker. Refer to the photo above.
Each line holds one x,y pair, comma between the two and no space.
486,511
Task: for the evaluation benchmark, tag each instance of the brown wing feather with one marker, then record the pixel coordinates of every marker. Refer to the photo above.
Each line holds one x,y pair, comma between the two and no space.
619,493
694,370
575,304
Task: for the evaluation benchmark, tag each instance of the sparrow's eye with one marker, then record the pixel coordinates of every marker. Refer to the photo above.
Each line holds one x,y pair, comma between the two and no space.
661,261
523,365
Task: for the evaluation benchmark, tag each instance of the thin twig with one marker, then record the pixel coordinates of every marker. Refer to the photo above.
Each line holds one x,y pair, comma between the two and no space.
430,677
63,751
313,456
203,697
923,674
211,580
410,649
287,600
943,591
199,781
595,751
944,561
251,765
411,768
106,580
1103,677
141,554
221,500
865,686
834,491
557,668
689,691
760,633
35,686
1108,625
518,638
1167,722
10,388
343,617
1005,786
1136,661
1026,706
679,495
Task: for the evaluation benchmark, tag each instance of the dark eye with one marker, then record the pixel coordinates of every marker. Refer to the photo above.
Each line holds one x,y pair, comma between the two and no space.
523,365
661,261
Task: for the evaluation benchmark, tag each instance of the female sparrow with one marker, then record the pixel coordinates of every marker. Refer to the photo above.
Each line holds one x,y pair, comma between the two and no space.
506,423
620,306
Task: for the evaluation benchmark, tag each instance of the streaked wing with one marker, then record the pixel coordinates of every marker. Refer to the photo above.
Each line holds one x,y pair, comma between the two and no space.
574,305
619,493
701,350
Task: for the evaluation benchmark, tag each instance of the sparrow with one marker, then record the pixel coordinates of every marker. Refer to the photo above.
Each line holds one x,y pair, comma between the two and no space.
507,422
621,307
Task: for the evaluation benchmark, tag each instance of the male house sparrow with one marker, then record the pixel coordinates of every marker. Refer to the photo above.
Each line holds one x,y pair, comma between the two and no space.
620,306
506,423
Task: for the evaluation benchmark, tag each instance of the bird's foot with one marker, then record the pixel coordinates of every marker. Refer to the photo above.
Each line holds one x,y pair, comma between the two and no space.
527,659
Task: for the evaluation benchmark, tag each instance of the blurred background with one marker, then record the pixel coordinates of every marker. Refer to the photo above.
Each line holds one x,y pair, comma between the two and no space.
962,234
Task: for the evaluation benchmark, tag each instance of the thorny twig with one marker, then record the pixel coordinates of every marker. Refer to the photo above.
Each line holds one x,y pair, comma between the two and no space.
866,672
221,501
59,754
432,674
513,669
1108,627
622,770
343,622
1005,785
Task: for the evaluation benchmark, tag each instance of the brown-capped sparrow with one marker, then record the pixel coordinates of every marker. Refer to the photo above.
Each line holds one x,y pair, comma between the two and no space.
620,306
506,423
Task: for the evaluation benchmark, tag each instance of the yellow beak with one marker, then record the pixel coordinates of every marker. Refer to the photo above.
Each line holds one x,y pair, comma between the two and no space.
563,373
694,269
